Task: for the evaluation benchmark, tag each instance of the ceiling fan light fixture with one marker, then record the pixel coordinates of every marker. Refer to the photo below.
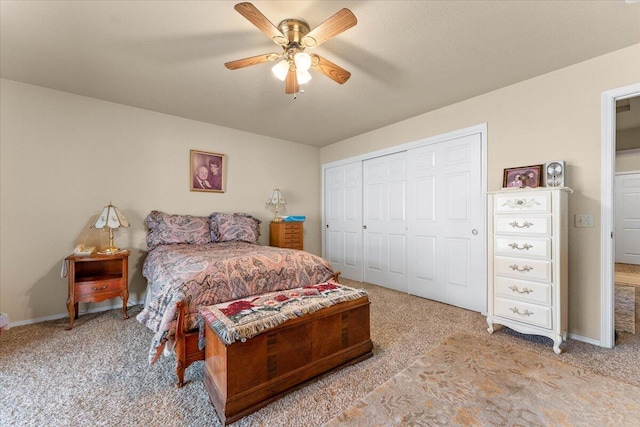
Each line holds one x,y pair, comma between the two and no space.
302,60
303,76
281,69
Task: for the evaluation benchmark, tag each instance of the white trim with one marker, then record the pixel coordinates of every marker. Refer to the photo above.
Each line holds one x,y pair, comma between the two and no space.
629,152
63,315
481,128
627,173
607,227
584,339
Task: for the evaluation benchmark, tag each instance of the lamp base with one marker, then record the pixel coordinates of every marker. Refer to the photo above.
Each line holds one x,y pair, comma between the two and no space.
277,219
110,250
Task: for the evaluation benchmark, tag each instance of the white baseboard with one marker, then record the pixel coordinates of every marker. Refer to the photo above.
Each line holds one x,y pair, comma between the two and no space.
130,303
585,339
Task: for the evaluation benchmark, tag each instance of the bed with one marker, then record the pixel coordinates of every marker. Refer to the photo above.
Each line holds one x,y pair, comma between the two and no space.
200,261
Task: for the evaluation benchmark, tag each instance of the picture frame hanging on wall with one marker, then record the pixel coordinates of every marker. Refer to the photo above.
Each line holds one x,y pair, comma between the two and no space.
207,171
523,177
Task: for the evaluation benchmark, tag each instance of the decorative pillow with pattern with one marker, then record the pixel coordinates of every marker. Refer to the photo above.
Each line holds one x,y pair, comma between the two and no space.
165,229
238,226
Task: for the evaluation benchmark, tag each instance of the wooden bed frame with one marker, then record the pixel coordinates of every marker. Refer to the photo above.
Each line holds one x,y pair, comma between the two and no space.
187,349
245,376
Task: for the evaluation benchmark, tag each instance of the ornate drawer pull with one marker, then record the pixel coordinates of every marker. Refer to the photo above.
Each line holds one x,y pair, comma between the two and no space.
526,290
526,224
526,312
526,246
524,269
521,203
102,288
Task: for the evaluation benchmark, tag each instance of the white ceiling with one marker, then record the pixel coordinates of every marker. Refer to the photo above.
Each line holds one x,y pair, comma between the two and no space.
406,57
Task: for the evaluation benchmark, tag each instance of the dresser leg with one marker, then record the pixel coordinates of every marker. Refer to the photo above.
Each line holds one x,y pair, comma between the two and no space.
490,323
556,344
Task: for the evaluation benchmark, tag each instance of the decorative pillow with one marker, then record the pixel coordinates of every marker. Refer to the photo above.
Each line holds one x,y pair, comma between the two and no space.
165,229
238,226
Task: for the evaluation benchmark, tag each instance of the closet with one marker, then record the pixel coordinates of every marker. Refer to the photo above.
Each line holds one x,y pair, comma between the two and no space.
413,219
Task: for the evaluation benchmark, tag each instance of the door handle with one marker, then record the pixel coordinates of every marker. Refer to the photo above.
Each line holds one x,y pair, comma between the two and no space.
474,232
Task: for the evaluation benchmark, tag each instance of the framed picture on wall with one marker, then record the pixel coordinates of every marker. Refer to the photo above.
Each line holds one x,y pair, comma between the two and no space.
207,171
523,176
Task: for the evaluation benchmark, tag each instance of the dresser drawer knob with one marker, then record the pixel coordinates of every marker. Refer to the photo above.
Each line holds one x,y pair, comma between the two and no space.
526,224
525,246
102,288
524,269
526,290
526,312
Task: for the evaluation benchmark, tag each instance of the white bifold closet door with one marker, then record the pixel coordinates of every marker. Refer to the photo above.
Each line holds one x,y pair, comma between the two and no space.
384,220
343,217
445,239
627,199
412,221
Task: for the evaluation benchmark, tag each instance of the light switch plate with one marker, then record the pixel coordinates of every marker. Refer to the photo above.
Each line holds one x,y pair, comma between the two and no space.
584,220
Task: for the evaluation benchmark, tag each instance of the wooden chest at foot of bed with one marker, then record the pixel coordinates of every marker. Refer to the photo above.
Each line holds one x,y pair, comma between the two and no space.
245,376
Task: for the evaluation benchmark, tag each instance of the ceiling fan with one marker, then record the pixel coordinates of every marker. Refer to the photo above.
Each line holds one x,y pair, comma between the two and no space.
294,36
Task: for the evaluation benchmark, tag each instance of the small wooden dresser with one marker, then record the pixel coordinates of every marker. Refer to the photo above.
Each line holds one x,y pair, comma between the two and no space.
286,234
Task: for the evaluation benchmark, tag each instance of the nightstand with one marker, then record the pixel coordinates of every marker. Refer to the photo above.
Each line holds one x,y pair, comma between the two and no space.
286,234
95,278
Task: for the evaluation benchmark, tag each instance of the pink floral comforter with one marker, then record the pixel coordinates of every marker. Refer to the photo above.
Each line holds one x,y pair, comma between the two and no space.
208,274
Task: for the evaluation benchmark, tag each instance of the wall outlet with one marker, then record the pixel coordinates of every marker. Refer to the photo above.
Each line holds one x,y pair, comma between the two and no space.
583,220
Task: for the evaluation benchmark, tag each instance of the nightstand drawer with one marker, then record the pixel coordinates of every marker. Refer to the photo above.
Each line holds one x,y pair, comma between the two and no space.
98,286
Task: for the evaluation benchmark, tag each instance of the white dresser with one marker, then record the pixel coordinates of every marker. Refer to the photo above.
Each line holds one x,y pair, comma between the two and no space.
528,265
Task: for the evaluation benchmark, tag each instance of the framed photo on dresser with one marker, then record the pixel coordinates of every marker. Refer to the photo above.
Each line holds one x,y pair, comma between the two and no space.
207,171
522,176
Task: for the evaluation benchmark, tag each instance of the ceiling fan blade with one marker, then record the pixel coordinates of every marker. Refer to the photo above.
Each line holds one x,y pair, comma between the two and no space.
336,24
329,69
254,60
256,17
291,83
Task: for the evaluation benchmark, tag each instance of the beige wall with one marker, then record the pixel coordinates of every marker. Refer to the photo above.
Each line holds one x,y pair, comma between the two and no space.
64,156
626,162
554,116
628,138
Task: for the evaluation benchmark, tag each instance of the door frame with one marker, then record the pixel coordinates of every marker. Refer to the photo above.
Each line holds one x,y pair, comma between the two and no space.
607,213
476,129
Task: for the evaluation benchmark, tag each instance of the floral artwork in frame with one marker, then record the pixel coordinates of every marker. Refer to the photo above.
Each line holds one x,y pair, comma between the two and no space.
207,171
522,177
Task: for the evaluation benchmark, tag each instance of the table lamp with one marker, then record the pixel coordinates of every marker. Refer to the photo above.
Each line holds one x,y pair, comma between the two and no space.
277,200
111,218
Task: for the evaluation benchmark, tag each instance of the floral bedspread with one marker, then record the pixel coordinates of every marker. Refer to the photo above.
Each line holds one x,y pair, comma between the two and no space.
245,318
208,274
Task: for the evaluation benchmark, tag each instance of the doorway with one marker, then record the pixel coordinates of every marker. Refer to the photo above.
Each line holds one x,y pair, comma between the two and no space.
627,217
607,249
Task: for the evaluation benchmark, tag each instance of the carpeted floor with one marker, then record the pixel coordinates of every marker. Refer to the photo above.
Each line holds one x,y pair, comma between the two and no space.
471,380
97,374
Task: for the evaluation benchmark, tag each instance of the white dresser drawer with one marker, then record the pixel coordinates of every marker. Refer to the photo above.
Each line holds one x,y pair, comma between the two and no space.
525,224
523,247
523,312
537,293
525,269
523,202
